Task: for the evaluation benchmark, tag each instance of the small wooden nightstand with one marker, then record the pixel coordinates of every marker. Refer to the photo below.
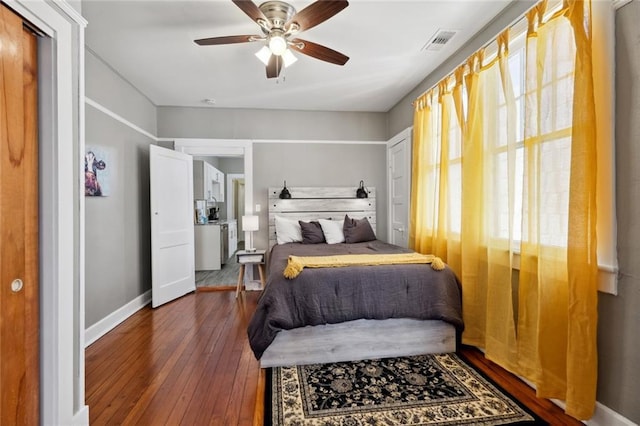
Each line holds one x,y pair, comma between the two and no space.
243,258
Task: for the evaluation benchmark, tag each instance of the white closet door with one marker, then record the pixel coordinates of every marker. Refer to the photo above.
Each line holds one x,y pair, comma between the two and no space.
399,184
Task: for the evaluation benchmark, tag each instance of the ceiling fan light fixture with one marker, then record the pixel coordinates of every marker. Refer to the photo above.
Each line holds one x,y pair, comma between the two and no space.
279,21
277,44
264,55
288,58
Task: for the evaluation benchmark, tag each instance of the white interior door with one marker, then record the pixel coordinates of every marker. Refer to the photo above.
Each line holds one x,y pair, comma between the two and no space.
172,227
399,182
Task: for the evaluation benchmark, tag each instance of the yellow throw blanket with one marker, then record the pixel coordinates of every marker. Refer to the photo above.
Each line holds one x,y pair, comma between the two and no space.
297,263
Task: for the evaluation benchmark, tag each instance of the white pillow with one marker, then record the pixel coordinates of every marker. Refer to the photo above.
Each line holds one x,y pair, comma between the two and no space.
288,230
332,230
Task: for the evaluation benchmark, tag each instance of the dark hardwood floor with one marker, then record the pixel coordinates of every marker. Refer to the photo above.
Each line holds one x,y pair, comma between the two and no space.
188,362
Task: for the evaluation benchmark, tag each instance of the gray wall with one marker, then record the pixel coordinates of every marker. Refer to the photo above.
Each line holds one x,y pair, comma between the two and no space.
117,239
401,115
231,165
270,124
313,164
117,227
304,164
208,159
106,87
619,316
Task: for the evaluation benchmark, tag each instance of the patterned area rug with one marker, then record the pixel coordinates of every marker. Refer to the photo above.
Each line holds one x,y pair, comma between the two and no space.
420,390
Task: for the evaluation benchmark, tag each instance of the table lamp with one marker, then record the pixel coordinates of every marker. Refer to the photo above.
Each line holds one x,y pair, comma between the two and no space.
250,224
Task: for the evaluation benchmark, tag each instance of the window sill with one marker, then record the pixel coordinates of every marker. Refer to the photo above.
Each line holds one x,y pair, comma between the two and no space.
607,276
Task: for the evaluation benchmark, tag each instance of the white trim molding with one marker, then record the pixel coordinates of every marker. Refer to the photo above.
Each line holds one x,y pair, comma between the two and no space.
608,280
71,12
119,118
303,141
617,4
60,75
602,415
605,416
607,276
224,147
112,320
82,416
80,394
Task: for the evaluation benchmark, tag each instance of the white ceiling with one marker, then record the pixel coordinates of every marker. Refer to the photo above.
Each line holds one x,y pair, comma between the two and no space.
150,44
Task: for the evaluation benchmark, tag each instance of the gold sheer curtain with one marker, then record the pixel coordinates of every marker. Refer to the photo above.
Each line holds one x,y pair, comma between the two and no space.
486,191
424,175
436,161
489,202
559,298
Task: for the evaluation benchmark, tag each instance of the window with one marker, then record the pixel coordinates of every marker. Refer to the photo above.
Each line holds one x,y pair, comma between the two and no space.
529,158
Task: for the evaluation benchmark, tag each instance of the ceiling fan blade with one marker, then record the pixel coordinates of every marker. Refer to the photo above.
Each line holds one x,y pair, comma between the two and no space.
227,40
274,67
251,10
318,51
316,13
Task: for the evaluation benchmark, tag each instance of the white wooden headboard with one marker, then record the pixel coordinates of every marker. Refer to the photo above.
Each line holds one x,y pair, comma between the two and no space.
307,203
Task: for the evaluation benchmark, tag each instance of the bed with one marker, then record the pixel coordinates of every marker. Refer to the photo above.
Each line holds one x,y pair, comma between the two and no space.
354,312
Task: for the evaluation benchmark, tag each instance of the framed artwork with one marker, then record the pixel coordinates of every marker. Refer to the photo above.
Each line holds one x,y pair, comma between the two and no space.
97,172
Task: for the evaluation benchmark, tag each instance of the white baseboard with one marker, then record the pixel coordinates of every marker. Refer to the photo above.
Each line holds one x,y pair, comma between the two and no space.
81,418
602,415
605,416
108,323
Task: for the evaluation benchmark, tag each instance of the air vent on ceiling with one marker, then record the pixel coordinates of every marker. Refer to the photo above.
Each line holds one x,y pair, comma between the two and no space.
439,39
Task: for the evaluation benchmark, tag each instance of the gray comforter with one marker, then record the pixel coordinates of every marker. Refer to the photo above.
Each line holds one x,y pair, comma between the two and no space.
333,295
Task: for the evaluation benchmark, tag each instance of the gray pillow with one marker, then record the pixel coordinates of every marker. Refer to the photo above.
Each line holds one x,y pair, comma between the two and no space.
311,232
357,230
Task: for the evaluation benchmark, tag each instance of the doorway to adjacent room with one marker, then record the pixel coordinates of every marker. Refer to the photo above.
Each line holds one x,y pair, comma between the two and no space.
239,189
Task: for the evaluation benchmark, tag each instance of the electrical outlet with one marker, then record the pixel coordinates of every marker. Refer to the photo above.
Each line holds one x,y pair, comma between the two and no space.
257,208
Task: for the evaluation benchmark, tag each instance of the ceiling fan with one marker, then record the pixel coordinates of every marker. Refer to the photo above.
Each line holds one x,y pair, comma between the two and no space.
279,23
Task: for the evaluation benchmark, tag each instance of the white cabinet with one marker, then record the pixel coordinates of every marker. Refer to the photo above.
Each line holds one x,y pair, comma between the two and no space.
207,247
233,236
201,185
208,182
216,178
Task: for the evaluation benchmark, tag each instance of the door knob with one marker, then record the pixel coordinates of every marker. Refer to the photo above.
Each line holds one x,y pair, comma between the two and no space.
16,285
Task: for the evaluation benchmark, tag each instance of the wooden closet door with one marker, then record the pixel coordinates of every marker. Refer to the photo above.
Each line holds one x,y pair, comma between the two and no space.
19,286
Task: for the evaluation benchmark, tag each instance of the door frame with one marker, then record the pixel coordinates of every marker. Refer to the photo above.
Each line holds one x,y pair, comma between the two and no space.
230,178
225,148
61,128
222,148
